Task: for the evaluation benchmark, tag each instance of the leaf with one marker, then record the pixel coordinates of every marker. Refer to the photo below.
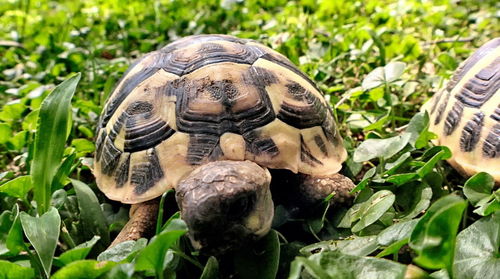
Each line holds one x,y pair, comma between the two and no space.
10,270
374,208
79,252
152,257
91,214
358,246
43,233
383,75
433,238
121,271
418,124
17,187
413,198
15,240
5,132
211,270
476,254
88,269
478,187
396,232
123,250
50,139
337,265
444,153
380,148
261,260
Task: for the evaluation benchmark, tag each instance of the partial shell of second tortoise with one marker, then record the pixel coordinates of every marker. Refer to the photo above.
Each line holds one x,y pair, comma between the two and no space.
207,98
466,113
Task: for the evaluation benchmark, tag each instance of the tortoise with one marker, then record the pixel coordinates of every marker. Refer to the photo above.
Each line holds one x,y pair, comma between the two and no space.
465,114
209,116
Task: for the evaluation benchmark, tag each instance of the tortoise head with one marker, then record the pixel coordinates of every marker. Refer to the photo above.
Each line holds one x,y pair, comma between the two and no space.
226,204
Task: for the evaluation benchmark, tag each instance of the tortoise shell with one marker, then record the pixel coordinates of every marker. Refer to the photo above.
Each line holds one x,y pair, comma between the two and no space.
207,98
466,113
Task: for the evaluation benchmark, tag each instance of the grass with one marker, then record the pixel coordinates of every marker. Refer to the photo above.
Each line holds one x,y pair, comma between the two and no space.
376,61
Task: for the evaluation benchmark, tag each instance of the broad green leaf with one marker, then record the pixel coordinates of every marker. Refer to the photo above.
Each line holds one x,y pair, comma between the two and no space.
358,246
373,209
79,252
395,236
50,140
418,123
91,214
123,251
478,187
413,198
5,132
337,265
383,75
88,269
120,271
15,241
43,233
488,205
83,145
396,232
211,270
17,187
476,254
152,257
433,238
261,260
10,270
444,153
380,148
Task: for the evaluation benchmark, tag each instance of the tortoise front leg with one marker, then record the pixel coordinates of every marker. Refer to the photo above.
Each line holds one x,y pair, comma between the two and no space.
315,189
302,193
142,222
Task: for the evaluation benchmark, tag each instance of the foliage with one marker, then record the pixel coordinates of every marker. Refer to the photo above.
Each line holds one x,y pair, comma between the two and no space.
377,61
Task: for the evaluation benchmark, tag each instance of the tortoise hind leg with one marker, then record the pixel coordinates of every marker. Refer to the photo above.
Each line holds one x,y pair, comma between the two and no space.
142,222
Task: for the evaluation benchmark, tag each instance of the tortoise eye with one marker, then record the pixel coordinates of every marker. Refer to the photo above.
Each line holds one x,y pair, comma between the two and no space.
241,206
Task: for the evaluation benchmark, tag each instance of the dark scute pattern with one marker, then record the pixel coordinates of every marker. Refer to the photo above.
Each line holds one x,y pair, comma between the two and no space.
130,83
195,39
302,116
321,144
306,155
139,107
435,101
99,143
202,146
480,88
145,175
258,145
441,108
471,132
260,77
121,174
453,118
142,129
110,156
228,120
287,64
330,130
496,114
206,55
471,61
491,145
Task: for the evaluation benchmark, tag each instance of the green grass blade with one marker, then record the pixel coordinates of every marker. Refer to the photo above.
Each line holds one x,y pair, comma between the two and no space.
50,138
